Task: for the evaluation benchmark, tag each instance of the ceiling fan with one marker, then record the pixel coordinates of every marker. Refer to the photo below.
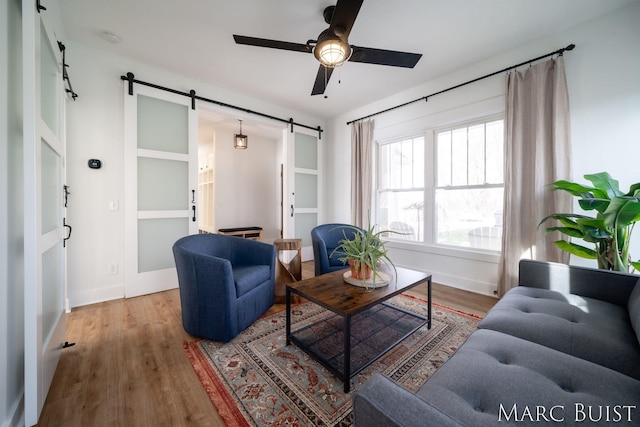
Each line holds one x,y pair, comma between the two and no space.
332,47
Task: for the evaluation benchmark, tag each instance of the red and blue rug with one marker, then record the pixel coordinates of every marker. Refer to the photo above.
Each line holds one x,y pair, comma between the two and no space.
256,380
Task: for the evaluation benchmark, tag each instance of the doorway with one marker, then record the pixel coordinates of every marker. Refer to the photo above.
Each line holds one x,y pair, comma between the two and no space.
239,188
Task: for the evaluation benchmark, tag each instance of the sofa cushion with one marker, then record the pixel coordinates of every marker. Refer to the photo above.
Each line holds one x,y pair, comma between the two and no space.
381,402
591,329
634,309
497,379
248,277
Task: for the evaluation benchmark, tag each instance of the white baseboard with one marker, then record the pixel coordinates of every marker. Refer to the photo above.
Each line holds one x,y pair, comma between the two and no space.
465,284
94,296
478,287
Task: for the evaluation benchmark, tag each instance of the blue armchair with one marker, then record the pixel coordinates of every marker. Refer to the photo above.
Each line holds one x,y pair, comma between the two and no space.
324,239
225,282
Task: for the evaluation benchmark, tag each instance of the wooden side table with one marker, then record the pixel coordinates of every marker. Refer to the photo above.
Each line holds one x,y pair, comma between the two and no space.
287,270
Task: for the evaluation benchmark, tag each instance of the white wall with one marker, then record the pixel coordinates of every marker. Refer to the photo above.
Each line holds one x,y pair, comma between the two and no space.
95,130
604,89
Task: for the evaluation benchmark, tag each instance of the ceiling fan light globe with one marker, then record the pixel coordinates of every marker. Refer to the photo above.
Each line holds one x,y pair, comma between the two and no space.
332,52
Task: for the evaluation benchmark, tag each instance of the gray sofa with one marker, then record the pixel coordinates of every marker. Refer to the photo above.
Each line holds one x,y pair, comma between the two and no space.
562,348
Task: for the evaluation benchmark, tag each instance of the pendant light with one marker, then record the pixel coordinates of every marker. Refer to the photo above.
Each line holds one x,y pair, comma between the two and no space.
240,141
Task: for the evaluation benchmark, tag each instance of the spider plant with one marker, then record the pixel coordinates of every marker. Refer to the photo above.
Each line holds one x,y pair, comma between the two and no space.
365,250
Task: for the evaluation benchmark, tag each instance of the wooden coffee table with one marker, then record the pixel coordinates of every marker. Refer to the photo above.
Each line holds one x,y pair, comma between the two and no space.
362,328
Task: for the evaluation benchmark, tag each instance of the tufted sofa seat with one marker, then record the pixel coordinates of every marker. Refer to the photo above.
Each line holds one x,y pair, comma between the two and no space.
560,349
587,328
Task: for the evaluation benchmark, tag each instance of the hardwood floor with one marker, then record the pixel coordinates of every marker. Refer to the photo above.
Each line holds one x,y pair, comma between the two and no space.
128,367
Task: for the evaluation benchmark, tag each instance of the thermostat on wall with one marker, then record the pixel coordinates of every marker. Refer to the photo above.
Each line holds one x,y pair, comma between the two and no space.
95,164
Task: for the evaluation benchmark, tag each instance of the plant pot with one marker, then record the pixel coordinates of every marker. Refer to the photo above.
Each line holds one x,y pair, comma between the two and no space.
357,272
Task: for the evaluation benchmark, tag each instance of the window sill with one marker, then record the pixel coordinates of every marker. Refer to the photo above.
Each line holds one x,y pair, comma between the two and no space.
451,251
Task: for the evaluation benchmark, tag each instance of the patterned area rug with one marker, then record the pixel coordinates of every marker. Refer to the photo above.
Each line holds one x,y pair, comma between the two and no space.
256,380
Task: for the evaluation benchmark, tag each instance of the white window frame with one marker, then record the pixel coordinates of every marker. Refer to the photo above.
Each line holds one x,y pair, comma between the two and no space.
378,191
429,243
434,175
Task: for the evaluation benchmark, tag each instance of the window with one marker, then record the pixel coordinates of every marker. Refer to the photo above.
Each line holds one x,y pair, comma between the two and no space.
401,188
445,187
469,185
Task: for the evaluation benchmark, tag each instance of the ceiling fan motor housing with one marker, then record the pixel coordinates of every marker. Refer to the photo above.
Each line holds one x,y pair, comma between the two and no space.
327,14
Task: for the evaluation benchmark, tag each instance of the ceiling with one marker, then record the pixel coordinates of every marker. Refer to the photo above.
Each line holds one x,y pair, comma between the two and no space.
194,38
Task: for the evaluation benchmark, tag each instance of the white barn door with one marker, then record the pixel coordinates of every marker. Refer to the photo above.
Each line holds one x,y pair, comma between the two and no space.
303,188
44,149
161,185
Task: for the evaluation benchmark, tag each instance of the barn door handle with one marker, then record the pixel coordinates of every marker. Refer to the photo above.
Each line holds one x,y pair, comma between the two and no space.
194,213
64,241
292,210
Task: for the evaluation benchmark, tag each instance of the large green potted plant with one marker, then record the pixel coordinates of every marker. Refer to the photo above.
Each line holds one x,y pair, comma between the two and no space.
609,231
364,252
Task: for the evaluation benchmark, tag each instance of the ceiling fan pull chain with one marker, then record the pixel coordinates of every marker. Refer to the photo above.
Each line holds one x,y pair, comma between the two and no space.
326,80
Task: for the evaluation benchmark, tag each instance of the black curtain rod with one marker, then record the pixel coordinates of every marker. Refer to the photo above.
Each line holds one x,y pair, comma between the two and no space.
192,94
426,98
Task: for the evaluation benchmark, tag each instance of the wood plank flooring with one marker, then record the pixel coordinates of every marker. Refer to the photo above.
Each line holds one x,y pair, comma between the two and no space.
128,367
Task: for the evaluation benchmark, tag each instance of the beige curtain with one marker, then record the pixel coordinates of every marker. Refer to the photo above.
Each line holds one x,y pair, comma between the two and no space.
361,171
537,153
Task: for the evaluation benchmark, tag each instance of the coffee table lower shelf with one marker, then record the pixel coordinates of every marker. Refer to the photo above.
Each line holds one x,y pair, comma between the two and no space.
372,333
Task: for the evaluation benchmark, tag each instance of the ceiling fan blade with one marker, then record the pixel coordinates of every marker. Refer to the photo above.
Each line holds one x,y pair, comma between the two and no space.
274,44
344,15
322,79
393,58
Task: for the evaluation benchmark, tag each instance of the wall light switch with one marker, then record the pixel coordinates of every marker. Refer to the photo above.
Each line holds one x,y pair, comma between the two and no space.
112,268
114,205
